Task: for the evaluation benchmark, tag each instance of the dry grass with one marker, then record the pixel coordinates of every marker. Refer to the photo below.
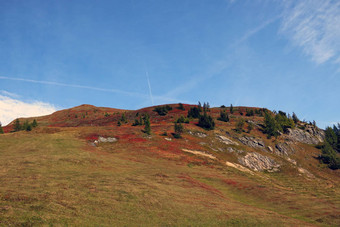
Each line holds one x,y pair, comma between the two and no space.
53,176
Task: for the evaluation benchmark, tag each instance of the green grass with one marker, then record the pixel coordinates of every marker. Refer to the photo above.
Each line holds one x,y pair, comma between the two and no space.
59,179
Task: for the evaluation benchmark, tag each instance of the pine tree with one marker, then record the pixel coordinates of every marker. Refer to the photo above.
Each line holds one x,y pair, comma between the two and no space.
17,125
270,126
123,118
199,106
35,123
193,112
180,106
223,116
231,109
27,126
178,130
1,130
207,122
295,118
331,137
240,125
147,128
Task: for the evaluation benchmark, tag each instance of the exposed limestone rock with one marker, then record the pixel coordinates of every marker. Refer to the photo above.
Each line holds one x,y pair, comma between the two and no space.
198,134
168,139
226,140
252,142
239,167
258,162
270,149
232,150
107,140
104,140
283,149
306,172
310,135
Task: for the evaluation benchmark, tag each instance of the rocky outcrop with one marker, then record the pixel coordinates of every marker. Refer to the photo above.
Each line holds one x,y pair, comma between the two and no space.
283,149
226,140
198,134
104,140
311,135
232,150
258,162
252,142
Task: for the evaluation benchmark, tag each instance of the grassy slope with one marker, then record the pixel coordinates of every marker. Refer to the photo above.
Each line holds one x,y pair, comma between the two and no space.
54,176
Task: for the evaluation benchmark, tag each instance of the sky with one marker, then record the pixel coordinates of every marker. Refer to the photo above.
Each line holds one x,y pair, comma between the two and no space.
128,54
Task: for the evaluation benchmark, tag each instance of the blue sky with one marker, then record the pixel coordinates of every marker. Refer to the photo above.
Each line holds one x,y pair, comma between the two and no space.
282,55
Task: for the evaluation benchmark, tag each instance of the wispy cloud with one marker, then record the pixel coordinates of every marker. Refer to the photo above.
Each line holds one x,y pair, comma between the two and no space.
75,86
10,94
150,91
128,93
11,108
257,29
313,25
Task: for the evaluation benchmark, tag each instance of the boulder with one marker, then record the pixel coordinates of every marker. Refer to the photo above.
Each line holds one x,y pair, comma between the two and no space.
226,140
252,142
258,162
311,135
283,149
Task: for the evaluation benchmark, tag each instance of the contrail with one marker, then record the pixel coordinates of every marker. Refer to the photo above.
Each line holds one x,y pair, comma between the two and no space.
147,76
75,86
134,94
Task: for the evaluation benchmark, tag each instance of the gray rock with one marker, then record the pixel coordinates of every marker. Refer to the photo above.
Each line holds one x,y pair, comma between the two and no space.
258,162
106,140
232,150
226,140
310,135
283,149
198,134
252,142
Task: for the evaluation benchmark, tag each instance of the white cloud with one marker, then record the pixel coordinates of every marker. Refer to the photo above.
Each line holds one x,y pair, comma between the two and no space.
314,26
11,109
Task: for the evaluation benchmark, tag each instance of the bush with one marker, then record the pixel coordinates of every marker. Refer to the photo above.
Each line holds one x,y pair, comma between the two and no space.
162,110
207,122
27,127
194,112
249,112
180,106
1,130
182,119
271,128
123,118
34,123
223,116
240,125
330,157
178,130
17,125
250,126
147,127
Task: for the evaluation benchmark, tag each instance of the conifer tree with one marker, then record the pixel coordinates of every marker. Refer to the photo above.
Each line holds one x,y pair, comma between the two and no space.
35,123
17,125
231,109
223,116
147,128
1,130
178,130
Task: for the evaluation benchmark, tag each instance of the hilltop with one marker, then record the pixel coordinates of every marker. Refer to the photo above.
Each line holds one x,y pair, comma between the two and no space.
92,165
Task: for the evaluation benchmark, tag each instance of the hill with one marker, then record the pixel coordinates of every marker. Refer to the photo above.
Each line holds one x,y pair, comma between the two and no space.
79,166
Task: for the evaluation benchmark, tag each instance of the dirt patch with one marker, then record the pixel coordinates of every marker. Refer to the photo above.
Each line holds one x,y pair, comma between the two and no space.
201,153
